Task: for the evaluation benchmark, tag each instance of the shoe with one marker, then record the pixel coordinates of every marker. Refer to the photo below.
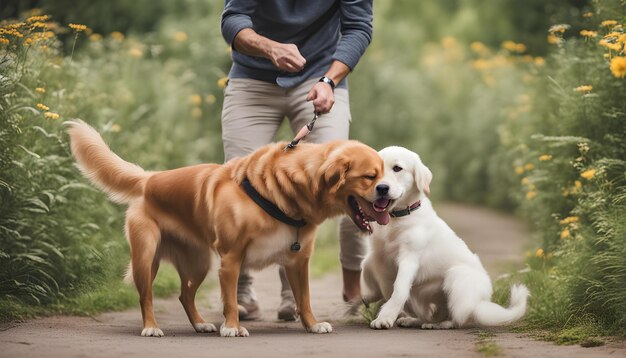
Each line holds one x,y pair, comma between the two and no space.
287,308
246,299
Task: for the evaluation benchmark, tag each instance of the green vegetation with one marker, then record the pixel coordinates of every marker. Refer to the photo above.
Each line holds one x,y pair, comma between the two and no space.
507,110
486,345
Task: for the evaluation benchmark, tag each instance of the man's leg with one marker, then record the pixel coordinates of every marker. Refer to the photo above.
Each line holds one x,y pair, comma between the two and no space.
331,126
251,116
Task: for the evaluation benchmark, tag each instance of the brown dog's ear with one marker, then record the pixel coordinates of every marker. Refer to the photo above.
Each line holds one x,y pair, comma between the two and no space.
423,176
334,170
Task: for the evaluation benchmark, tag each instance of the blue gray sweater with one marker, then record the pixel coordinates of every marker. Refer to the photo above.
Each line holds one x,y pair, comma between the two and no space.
323,30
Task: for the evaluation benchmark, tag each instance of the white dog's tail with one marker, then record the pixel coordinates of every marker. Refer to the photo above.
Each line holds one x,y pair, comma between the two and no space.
120,179
488,313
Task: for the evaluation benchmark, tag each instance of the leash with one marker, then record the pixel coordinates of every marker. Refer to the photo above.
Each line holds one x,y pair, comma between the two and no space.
302,133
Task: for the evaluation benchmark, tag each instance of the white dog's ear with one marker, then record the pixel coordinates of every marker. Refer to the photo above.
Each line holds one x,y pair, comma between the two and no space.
423,177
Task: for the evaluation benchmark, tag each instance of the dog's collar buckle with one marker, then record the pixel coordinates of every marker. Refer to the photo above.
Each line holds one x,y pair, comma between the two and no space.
404,212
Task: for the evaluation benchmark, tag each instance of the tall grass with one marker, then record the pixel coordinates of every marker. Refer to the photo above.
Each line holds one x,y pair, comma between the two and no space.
62,244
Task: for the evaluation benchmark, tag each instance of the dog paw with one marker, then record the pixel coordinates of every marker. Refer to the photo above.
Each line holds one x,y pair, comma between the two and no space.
438,325
408,322
204,327
233,331
382,323
152,332
321,327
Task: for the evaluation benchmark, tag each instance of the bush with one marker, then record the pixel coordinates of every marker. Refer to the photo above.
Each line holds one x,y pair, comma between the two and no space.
60,237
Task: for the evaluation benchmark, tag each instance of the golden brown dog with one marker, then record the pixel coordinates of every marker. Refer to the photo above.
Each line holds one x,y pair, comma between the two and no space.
181,215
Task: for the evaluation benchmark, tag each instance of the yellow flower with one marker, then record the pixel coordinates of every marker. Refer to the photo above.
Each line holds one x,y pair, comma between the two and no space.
39,18
531,195
622,39
4,41
95,37
545,157
539,252
529,166
539,61
514,47
584,88
448,42
608,23
588,33
610,45
210,99
196,112
588,14
559,28
40,90
196,99
222,82
115,128
569,220
565,234
180,36
519,170
135,52
618,66
578,184
588,174
565,192
553,39
43,107
479,48
525,181
77,27
51,115
117,36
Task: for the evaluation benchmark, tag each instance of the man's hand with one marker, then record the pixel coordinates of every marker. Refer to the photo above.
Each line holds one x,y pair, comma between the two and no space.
322,96
286,57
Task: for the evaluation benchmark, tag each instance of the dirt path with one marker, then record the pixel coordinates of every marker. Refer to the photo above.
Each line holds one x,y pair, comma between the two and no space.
497,238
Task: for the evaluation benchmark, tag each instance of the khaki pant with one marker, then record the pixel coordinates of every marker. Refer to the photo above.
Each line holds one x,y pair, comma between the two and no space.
254,110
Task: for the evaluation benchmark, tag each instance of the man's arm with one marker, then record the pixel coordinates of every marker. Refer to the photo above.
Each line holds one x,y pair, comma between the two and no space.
322,93
356,35
286,57
237,29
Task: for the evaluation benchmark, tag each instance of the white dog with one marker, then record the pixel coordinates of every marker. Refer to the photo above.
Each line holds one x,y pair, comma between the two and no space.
418,265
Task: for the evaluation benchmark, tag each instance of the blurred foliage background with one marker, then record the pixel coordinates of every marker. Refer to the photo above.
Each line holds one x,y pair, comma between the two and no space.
518,105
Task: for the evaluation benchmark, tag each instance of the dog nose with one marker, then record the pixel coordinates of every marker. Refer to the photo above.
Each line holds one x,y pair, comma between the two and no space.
382,189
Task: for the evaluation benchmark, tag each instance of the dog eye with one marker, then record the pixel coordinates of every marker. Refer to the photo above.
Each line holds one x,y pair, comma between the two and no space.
370,177
396,168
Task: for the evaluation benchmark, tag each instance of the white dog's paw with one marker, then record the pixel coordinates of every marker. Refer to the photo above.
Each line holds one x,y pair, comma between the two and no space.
408,322
320,327
438,325
204,327
152,332
382,323
233,331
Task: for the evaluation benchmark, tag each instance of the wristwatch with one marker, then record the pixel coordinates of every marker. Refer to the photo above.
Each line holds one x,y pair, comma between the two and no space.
329,81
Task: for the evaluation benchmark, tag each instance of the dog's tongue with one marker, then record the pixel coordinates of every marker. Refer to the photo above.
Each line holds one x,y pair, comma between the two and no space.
381,216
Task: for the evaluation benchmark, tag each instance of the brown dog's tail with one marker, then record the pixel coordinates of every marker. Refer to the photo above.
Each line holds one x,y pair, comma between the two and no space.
122,180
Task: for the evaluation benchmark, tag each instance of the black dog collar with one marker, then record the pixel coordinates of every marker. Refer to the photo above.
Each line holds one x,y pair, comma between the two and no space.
407,211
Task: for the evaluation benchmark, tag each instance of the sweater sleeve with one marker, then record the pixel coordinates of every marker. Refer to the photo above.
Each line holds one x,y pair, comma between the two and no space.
236,17
356,31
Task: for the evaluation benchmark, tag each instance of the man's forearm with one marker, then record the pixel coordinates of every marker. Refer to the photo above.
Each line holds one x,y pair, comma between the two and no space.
250,43
337,71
